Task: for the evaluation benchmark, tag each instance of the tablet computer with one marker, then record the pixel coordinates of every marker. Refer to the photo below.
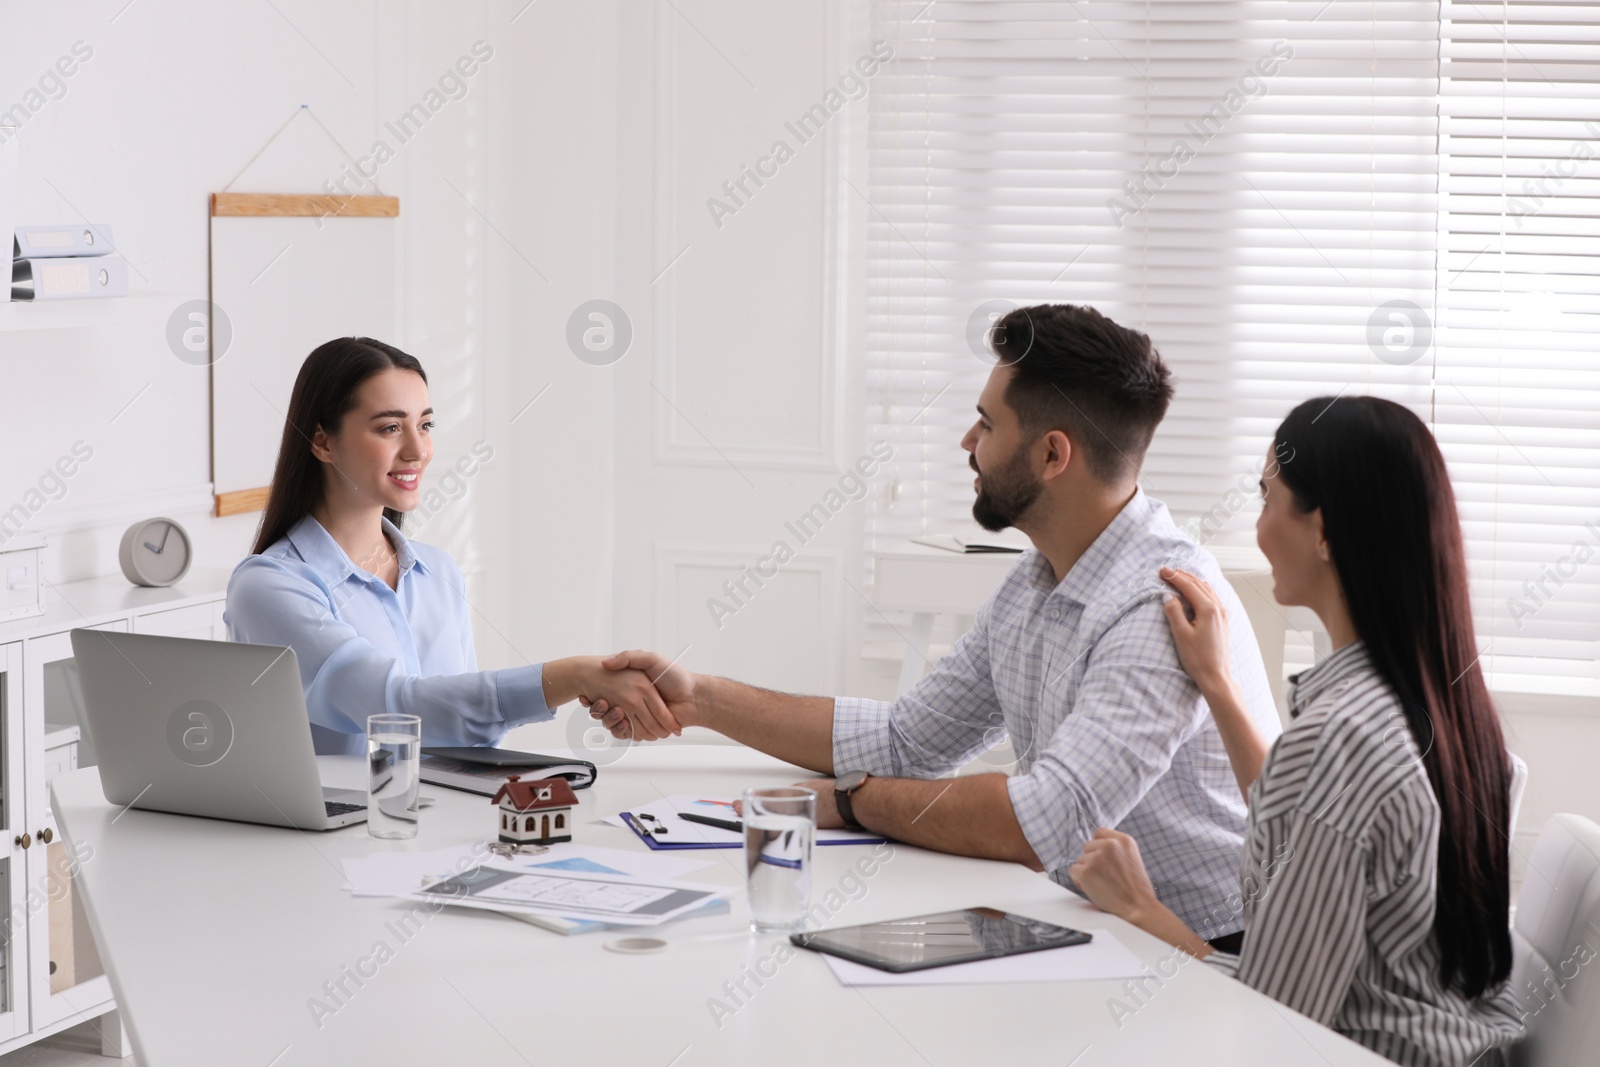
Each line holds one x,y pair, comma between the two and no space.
947,937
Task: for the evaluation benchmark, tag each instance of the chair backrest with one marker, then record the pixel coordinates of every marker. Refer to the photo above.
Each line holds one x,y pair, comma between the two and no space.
1556,939
1519,784
1270,624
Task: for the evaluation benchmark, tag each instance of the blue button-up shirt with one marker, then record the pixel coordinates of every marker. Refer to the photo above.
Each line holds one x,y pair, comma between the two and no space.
1108,730
365,649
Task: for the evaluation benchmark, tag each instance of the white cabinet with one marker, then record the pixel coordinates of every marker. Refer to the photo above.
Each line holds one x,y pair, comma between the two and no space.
65,973
14,1019
203,621
51,973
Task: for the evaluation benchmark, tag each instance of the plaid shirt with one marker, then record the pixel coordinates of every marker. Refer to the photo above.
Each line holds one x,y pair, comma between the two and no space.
1108,730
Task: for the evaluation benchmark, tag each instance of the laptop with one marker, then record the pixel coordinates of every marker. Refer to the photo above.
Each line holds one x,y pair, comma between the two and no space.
211,728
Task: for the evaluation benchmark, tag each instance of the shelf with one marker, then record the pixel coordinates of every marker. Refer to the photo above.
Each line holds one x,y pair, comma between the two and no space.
135,309
94,601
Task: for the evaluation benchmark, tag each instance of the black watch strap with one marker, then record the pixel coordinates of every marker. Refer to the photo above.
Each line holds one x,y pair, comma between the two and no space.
842,801
841,798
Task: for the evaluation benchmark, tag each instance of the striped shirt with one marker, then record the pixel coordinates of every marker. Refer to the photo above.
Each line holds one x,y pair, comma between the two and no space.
1339,877
1106,727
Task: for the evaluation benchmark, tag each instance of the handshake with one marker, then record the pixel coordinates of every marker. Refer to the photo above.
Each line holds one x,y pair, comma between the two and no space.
642,696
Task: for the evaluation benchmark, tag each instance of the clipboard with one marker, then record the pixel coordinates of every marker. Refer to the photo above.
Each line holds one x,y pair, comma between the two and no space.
687,835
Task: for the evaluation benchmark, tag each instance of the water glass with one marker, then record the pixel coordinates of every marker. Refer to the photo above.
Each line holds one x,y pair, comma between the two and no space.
780,824
394,759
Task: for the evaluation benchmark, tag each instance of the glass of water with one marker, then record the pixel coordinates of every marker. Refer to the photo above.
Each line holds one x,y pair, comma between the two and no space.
394,760
780,824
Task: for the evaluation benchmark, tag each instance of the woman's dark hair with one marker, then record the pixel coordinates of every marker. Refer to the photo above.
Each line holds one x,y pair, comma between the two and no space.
324,392
1389,516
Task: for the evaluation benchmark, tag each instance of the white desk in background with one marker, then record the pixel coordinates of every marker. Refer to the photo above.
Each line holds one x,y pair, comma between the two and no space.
929,582
216,935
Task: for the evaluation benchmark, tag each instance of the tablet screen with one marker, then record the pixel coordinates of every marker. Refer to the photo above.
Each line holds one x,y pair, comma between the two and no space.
944,938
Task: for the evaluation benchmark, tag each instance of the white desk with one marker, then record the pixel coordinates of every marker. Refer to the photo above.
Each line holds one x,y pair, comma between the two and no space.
929,582
216,934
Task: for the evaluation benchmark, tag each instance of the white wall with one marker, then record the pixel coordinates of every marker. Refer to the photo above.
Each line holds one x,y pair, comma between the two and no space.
736,407
738,411
174,101
619,502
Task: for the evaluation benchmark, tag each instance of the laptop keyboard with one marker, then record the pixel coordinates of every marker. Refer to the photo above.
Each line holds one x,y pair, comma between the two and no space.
336,807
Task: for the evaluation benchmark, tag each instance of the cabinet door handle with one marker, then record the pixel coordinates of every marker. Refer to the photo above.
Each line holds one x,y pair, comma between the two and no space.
25,840
46,835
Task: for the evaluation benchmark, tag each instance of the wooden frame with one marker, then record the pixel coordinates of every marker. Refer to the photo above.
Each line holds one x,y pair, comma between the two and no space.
234,501
228,205
241,501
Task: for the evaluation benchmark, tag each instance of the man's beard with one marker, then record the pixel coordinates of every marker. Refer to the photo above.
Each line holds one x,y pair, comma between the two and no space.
1007,492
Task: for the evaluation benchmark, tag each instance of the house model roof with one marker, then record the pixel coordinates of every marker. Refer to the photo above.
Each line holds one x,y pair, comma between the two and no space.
536,794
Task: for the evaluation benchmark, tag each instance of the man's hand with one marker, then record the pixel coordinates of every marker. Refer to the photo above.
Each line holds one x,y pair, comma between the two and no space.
828,817
636,703
627,692
675,684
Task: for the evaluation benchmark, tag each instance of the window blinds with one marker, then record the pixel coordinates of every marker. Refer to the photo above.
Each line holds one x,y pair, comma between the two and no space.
1518,394
1293,199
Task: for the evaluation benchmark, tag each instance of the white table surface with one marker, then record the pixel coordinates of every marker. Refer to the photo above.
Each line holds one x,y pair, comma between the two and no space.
216,935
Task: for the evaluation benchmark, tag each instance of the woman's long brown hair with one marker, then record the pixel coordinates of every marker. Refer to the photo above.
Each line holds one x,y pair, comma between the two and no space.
1389,515
324,392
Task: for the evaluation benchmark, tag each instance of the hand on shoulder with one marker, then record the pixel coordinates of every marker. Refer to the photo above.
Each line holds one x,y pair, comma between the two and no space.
1199,623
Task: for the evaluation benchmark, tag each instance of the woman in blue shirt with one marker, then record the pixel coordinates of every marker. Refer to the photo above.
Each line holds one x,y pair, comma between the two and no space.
379,623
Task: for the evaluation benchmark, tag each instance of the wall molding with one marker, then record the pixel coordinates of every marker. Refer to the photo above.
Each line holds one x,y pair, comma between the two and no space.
671,441
670,556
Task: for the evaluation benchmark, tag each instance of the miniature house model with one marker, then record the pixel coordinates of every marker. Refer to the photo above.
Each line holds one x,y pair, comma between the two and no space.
537,812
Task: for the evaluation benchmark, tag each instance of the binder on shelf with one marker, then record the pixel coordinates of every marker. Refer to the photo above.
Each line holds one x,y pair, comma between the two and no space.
56,242
69,279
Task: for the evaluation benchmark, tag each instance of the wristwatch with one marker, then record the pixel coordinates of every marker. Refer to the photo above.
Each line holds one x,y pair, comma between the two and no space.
843,786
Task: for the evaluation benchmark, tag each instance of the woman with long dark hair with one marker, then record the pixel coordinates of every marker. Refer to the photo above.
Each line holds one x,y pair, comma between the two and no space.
1375,880
379,623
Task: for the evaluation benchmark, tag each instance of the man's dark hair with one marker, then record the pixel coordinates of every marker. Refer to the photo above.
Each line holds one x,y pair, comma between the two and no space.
1072,369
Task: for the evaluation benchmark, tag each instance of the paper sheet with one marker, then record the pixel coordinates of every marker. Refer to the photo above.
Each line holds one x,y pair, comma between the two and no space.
391,874
639,863
1103,959
617,899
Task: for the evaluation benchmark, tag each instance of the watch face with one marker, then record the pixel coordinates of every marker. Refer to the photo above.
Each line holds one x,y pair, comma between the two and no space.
160,552
849,780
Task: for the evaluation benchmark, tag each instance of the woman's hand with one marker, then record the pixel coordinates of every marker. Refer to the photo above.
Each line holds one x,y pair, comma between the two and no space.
1203,650
674,683
633,700
1203,639
1112,875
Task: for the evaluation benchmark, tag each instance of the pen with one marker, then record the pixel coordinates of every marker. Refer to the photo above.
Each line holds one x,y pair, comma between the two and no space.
706,820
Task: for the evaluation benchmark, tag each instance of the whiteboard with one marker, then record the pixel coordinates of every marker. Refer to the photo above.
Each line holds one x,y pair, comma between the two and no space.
286,285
